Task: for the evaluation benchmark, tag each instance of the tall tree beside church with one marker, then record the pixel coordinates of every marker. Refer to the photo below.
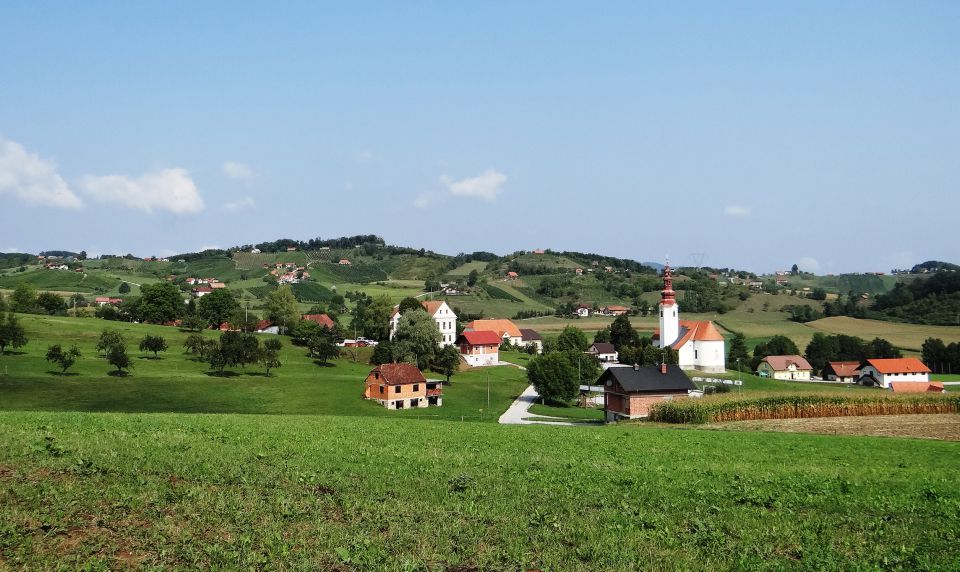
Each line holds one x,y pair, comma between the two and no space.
622,333
738,351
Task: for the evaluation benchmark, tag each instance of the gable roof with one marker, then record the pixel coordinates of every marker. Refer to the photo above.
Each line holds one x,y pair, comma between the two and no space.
916,387
781,363
399,373
897,365
501,327
844,368
700,331
617,308
480,338
603,348
431,307
263,325
322,319
648,378
529,335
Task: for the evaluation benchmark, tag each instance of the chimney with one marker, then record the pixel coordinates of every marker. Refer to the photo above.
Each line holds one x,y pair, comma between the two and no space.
663,368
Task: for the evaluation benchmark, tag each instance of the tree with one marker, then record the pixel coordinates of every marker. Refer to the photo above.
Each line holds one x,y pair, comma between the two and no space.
192,323
159,303
572,338
431,285
738,350
109,338
51,303
822,349
602,336
234,348
417,335
63,358
23,299
118,358
153,344
11,333
194,344
323,345
553,378
881,348
409,303
586,366
472,278
217,307
384,352
447,361
124,288
818,294
270,354
622,333
933,352
794,270
378,318
282,307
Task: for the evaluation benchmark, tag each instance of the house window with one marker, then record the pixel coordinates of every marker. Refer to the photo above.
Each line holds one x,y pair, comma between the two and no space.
416,387
694,354
396,389
381,389
376,375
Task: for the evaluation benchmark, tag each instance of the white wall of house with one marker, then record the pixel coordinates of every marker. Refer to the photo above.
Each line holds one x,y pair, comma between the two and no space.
885,378
446,321
789,374
491,357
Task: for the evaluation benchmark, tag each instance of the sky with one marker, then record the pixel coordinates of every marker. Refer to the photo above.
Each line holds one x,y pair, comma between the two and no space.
752,135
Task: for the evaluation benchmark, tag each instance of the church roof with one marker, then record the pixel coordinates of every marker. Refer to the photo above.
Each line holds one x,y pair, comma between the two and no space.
696,330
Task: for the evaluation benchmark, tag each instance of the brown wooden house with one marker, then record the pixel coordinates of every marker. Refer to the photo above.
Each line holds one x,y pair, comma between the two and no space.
402,386
628,392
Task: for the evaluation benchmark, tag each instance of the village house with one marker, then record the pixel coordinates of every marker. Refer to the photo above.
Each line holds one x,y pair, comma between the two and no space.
539,251
402,386
791,368
604,352
882,372
322,319
698,343
578,271
440,312
512,275
344,262
266,327
841,371
107,301
201,291
479,348
505,330
614,311
583,310
531,338
629,392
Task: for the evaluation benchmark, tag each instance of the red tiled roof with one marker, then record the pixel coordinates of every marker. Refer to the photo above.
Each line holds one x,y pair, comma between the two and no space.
499,326
916,387
845,368
781,363
512,274
431,306
481,338
898,365
322,319
701,331
399,373
617,308
263,325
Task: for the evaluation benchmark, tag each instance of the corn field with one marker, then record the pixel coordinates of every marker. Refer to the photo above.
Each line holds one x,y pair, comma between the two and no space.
715,409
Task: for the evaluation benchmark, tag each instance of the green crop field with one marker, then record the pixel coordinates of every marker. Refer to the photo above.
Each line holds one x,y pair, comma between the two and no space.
59,280
466,268
108,491
907,336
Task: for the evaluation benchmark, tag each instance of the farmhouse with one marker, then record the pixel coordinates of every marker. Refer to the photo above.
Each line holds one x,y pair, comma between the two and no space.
201,291
505,329
842,371
628,392
793,368
531,338
614,311
402,386
440,312
604,352
266,327
583,310
512,275
578,271
105,301
344,262
479,348
322,319
884,371
699,344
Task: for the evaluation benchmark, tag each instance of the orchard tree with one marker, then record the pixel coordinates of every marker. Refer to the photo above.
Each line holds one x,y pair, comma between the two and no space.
323,345
270,354
217,307
23,299
417,334
11,333
153,344
159,303
472,278
447,361
109,338
118,358
572,339
553,378
194,344
63,358
51,303
282,308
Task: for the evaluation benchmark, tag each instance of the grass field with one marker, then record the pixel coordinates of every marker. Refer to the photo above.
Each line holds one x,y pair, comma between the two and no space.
466,268
109,491
906,336
176,383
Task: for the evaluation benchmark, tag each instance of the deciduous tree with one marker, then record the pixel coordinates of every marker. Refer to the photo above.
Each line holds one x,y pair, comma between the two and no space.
417,334
553,378
218,307
11,333
153,344
63,358
282,308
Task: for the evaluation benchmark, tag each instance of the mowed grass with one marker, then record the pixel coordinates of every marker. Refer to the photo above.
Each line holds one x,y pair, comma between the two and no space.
906,336
110,491
177,383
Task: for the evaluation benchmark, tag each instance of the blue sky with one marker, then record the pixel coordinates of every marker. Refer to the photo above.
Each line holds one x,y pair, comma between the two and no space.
760,134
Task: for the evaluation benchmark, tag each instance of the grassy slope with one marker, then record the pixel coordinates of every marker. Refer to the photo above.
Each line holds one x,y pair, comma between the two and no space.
100,491
176,383
907,336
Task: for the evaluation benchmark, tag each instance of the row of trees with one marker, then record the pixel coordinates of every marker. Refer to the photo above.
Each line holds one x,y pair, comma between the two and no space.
941,357
632,347
26,300
235,349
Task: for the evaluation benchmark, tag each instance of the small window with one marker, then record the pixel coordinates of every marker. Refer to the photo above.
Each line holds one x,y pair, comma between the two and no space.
376,375
416,387
396,389
381,389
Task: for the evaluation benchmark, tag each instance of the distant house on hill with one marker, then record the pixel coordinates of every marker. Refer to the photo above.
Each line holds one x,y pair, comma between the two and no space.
266,327
538,251
603,351
629,392
512,275
578,271
479,348
841,371
882,372
201,291
531,338
583,310
505,329
614,311
440,312
402,386
107,301
322,319
791,367
344,262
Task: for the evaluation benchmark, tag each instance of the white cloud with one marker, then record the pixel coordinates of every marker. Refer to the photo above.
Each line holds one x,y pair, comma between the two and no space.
242,204
735,210
808,264
237,171
32,179
169,190
487,186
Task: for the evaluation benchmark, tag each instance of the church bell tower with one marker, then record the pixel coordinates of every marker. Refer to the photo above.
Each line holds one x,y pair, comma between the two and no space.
669,311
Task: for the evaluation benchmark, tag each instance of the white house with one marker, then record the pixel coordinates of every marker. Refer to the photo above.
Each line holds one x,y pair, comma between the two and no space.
531,338
604,352
440,312
507,330
479,348
699,344
883,372
792,368
583,310
267,327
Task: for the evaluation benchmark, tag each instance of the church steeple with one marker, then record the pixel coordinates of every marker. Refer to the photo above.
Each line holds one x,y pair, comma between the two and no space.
667,295
669,310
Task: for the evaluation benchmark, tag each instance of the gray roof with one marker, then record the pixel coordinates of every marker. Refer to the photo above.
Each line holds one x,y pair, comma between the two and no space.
648,378
603,347
529,335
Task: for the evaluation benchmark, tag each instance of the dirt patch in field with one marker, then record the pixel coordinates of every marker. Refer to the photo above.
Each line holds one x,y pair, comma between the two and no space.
945,427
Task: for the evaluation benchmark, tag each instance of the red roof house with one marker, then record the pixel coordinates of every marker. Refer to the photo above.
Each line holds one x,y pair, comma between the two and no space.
322,319
480,347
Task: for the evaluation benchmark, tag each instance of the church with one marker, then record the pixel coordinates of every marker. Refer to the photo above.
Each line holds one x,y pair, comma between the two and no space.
698,343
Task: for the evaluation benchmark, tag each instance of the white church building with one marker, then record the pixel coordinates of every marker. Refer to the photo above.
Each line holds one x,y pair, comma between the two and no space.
440,312
699,344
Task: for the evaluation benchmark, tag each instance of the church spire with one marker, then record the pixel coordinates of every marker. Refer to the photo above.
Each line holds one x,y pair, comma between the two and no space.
667,295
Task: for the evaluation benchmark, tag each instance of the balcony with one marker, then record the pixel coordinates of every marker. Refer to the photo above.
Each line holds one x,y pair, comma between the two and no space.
435,392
